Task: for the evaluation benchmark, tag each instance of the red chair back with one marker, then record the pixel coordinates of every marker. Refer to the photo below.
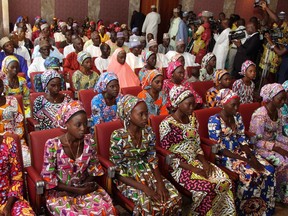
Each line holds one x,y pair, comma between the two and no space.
202,87
86,96
202,116
103,133
133,90
155,122
164,72
137,70
37,144
246,111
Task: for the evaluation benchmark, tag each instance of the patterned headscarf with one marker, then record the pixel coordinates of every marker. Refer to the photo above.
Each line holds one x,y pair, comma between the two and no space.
172,67
6,61
81,56
103,81
66,111
269,91
245,66
206,59
224,96
52,63
125,107
146,56
149,77
218,76
178,94
48,75
285,85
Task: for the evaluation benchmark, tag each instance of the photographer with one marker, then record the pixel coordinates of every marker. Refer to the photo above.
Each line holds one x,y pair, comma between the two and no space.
280,50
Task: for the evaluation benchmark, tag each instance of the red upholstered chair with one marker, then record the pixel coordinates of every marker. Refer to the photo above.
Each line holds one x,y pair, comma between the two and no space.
34,181
164,72
103,133
202,87
86,96
137,70
165,156
246,111
134,90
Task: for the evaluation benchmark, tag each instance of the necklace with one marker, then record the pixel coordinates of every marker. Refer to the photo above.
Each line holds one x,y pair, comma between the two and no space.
69,146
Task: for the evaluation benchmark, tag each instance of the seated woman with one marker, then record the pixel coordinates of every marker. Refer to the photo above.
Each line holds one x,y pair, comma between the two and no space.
245,87
118,65
104,104
11,199
266,123
209,185
175,74
221,80
149,59
85,78
207,69
14,84
46,106
284,111
71,167
152,93
133,152
255,189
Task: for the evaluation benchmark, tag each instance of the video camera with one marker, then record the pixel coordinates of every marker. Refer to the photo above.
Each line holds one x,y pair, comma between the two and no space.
237,35
275,33
196,22
257,3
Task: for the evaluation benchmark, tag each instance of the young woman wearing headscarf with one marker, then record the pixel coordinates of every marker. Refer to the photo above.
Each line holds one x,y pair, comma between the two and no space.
256,184
46,106
125,74
266,123
209,185
133,152
71,166
207,69
149,58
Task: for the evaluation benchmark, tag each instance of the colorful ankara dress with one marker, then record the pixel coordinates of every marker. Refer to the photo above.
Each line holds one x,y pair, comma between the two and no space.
255,190
211,97
84,81
212,196
270,134
11,179
244,91
138,163
58,167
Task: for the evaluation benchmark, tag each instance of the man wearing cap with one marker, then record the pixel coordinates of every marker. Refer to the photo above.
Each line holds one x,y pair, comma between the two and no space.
45,31
8,48
101,63
94,49
60,36
134,58
161,59
165,46
151,22
174,26
119,43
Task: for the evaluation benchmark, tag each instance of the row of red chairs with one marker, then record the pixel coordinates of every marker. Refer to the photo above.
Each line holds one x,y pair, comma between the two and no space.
102,136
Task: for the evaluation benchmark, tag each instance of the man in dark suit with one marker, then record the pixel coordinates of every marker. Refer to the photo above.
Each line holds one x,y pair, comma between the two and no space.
247,51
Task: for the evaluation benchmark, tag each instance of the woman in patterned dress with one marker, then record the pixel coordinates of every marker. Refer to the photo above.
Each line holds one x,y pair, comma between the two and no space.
71,167
153,95
284,110
11,178
104,104
175,75
133,152
46,106
266,123
255,188
210,187
245,86
84,78
13,83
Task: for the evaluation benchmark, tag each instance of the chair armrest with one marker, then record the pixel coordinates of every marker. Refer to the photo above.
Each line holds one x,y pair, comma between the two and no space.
36,179
168,155
213,144
33,124
108,165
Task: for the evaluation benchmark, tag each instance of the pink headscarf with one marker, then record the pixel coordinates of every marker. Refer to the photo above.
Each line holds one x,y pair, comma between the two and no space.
269,91
172,67
224,96
126,75
245,66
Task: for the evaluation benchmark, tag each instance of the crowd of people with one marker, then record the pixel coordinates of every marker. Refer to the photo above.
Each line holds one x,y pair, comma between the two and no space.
246,62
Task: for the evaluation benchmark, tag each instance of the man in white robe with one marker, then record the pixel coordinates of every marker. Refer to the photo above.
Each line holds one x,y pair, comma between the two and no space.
134,57
103,61
151,22
94,48
174,27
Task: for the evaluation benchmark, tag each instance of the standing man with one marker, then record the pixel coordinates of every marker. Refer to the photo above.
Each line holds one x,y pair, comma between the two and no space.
151,22
174,27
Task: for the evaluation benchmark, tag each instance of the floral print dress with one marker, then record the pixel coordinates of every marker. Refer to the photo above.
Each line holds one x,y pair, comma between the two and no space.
11,179
58,167
244,91
270,133
83,81
211,97
255,190
212,196
138,163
